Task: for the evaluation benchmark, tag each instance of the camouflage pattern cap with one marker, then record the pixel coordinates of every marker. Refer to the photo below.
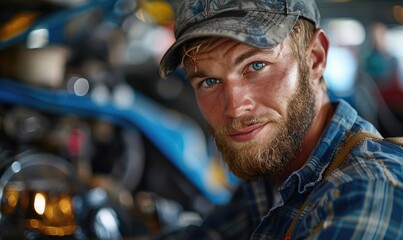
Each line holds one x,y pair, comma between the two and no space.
259,23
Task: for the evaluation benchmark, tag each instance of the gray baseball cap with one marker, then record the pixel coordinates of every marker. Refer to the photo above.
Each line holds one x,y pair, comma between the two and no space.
258,23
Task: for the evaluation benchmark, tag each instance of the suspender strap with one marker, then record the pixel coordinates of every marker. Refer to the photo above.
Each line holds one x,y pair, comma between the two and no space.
353,139
340,157
395,140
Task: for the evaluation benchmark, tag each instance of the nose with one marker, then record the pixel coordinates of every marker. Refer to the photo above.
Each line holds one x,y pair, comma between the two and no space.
238,100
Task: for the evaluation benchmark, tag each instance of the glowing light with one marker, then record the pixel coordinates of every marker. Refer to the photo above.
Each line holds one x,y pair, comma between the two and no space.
17,24
106,224
11,196
340,71
346,32
81,87
16,167
12,200
123,96
34,223
78,85
65,205
100,94
38,38
39,203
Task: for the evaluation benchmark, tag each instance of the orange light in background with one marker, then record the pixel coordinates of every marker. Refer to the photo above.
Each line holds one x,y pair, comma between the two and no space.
11,196
39,203
398,13
12,199
53,214
16,25
65,205
159,12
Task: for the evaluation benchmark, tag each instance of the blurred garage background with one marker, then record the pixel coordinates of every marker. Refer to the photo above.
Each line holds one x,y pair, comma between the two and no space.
94,145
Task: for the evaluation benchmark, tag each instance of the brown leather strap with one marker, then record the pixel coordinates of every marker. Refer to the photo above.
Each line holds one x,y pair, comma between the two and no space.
353,139
395,140
340,157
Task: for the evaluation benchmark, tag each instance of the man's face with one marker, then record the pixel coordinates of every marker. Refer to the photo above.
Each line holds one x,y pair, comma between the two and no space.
258,103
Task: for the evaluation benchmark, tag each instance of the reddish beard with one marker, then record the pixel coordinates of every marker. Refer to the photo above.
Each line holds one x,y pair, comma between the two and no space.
269,156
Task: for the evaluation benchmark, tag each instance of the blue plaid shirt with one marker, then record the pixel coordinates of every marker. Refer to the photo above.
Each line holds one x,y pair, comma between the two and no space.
363,199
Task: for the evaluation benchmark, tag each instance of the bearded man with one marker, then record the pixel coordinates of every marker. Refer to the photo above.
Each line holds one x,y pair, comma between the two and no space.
256,68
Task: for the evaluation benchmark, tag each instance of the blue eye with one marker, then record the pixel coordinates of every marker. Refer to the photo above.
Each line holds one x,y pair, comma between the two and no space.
258,66
209,82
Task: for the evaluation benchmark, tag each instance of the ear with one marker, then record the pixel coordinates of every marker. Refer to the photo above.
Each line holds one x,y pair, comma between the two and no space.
317,53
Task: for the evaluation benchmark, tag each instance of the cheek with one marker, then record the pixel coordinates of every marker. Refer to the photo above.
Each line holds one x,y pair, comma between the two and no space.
210,109
277,88
280,77
285,81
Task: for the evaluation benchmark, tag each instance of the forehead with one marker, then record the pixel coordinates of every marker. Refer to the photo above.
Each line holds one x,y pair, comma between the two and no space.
206,45
203,53
195,50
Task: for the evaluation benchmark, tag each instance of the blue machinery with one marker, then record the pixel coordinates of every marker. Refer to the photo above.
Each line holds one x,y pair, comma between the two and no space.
178,137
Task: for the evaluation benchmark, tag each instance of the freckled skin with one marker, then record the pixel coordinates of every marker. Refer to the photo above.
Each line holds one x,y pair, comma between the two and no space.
241,92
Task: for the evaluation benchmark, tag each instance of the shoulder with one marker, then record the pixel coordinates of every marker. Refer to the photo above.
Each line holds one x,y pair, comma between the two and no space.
375,160
355,210
373,171
371,161
362,198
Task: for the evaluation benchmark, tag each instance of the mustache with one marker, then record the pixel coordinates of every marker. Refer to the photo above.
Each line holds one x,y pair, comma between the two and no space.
243,122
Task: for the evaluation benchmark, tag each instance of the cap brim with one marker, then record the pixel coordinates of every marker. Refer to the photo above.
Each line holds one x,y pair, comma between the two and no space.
256,28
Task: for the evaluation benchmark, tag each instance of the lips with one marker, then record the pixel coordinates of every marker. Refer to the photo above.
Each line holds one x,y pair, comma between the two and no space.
246,134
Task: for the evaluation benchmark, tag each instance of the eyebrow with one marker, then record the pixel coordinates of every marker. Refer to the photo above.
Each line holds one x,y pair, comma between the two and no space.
250,53
246,55
197,74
